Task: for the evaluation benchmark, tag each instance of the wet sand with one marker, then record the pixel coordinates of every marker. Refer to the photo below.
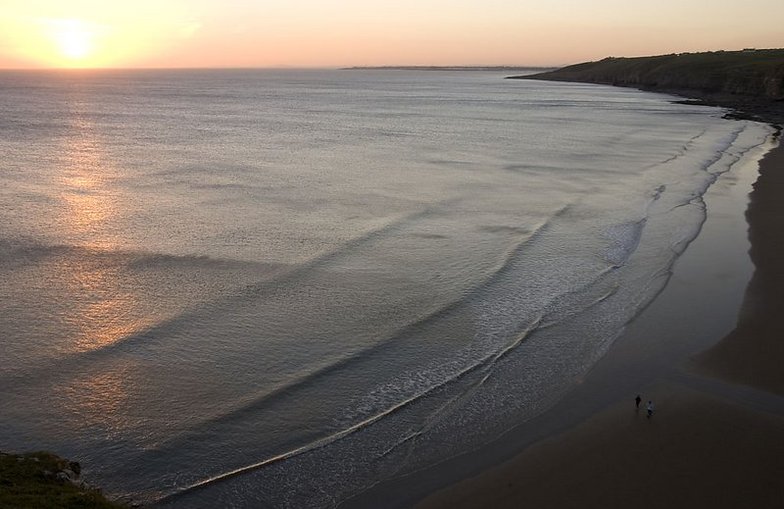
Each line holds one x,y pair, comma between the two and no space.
696,451
716,438
753,353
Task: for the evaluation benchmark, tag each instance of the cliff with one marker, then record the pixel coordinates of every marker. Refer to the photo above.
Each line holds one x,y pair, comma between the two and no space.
749,80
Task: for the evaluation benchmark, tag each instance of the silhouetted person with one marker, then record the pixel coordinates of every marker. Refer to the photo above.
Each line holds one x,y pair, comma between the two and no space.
637,401
650,409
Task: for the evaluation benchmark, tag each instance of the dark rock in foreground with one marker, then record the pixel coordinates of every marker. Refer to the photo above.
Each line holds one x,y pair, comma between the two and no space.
42,479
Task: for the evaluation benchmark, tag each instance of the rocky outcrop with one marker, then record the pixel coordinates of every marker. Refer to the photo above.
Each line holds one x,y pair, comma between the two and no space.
42,479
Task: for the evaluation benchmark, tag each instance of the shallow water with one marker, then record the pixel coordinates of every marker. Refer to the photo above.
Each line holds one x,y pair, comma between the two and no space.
280,287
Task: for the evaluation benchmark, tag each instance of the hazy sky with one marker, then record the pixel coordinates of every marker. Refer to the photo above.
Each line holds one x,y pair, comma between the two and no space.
318,33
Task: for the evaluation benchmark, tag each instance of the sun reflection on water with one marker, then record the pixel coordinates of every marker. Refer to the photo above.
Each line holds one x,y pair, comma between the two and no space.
104,310
104,301
86,179
101,398
105,306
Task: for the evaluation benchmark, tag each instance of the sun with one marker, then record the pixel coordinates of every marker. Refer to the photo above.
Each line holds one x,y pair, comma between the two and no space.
73,39
90,34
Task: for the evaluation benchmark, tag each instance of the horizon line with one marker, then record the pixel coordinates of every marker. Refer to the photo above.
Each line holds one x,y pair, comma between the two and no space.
287,67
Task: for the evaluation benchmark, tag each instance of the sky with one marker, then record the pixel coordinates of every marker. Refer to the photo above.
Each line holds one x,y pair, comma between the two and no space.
337,33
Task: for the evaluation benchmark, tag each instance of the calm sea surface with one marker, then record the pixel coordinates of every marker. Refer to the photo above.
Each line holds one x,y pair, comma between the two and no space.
280,287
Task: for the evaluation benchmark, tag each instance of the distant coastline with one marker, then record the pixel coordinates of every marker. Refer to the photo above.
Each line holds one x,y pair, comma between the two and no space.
446,68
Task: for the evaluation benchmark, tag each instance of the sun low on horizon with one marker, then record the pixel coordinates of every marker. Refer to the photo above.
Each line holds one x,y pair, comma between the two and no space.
58,42
74,42
90,34
328,33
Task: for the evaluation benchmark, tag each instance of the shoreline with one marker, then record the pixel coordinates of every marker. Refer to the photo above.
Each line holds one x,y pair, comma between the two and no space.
696,451
758,330
640,362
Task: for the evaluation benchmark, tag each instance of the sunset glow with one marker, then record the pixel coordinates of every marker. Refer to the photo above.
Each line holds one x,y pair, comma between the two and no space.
73,38
87,33
328,33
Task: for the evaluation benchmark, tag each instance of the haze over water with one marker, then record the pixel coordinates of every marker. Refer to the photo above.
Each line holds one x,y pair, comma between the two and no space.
284,286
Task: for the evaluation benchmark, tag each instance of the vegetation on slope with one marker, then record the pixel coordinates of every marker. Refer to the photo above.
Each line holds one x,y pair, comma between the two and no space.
757,73
43,480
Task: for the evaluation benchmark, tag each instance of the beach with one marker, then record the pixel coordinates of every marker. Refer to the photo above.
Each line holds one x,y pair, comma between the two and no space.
715,437
696,452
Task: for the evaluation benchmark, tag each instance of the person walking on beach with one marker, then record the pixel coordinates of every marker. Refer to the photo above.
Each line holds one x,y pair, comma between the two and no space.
637,401
650,408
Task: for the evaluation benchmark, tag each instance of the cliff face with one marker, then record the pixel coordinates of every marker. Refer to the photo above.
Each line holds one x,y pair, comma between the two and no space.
753,73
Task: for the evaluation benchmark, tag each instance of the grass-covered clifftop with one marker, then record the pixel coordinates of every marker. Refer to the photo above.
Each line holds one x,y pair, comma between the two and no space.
749,80
749,72
42,480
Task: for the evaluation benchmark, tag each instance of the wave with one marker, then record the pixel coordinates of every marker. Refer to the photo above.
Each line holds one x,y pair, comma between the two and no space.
144,261
277,276
285,276
402,333
483,364
31,250
28,251
550,170
680,151
624,238
322,442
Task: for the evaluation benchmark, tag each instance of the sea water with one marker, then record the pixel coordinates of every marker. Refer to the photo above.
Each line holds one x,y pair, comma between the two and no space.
243,288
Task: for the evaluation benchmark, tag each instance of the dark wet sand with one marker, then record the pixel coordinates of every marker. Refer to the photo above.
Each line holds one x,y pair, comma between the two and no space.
717,436
753,353
696,451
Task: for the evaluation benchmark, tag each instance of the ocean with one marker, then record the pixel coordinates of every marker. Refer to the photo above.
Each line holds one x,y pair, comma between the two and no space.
250,288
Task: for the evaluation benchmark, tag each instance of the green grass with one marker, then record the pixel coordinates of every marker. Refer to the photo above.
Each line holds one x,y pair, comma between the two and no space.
30,481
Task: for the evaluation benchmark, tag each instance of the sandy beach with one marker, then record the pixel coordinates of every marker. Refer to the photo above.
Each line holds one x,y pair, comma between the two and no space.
716,435
696,451
715,439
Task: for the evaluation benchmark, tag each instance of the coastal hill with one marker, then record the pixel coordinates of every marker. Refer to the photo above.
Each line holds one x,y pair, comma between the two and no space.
749,80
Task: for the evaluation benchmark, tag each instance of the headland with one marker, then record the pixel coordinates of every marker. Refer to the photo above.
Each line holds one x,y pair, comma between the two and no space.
750,81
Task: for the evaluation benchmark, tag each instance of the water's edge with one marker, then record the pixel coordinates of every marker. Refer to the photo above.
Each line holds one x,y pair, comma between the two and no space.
628,365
